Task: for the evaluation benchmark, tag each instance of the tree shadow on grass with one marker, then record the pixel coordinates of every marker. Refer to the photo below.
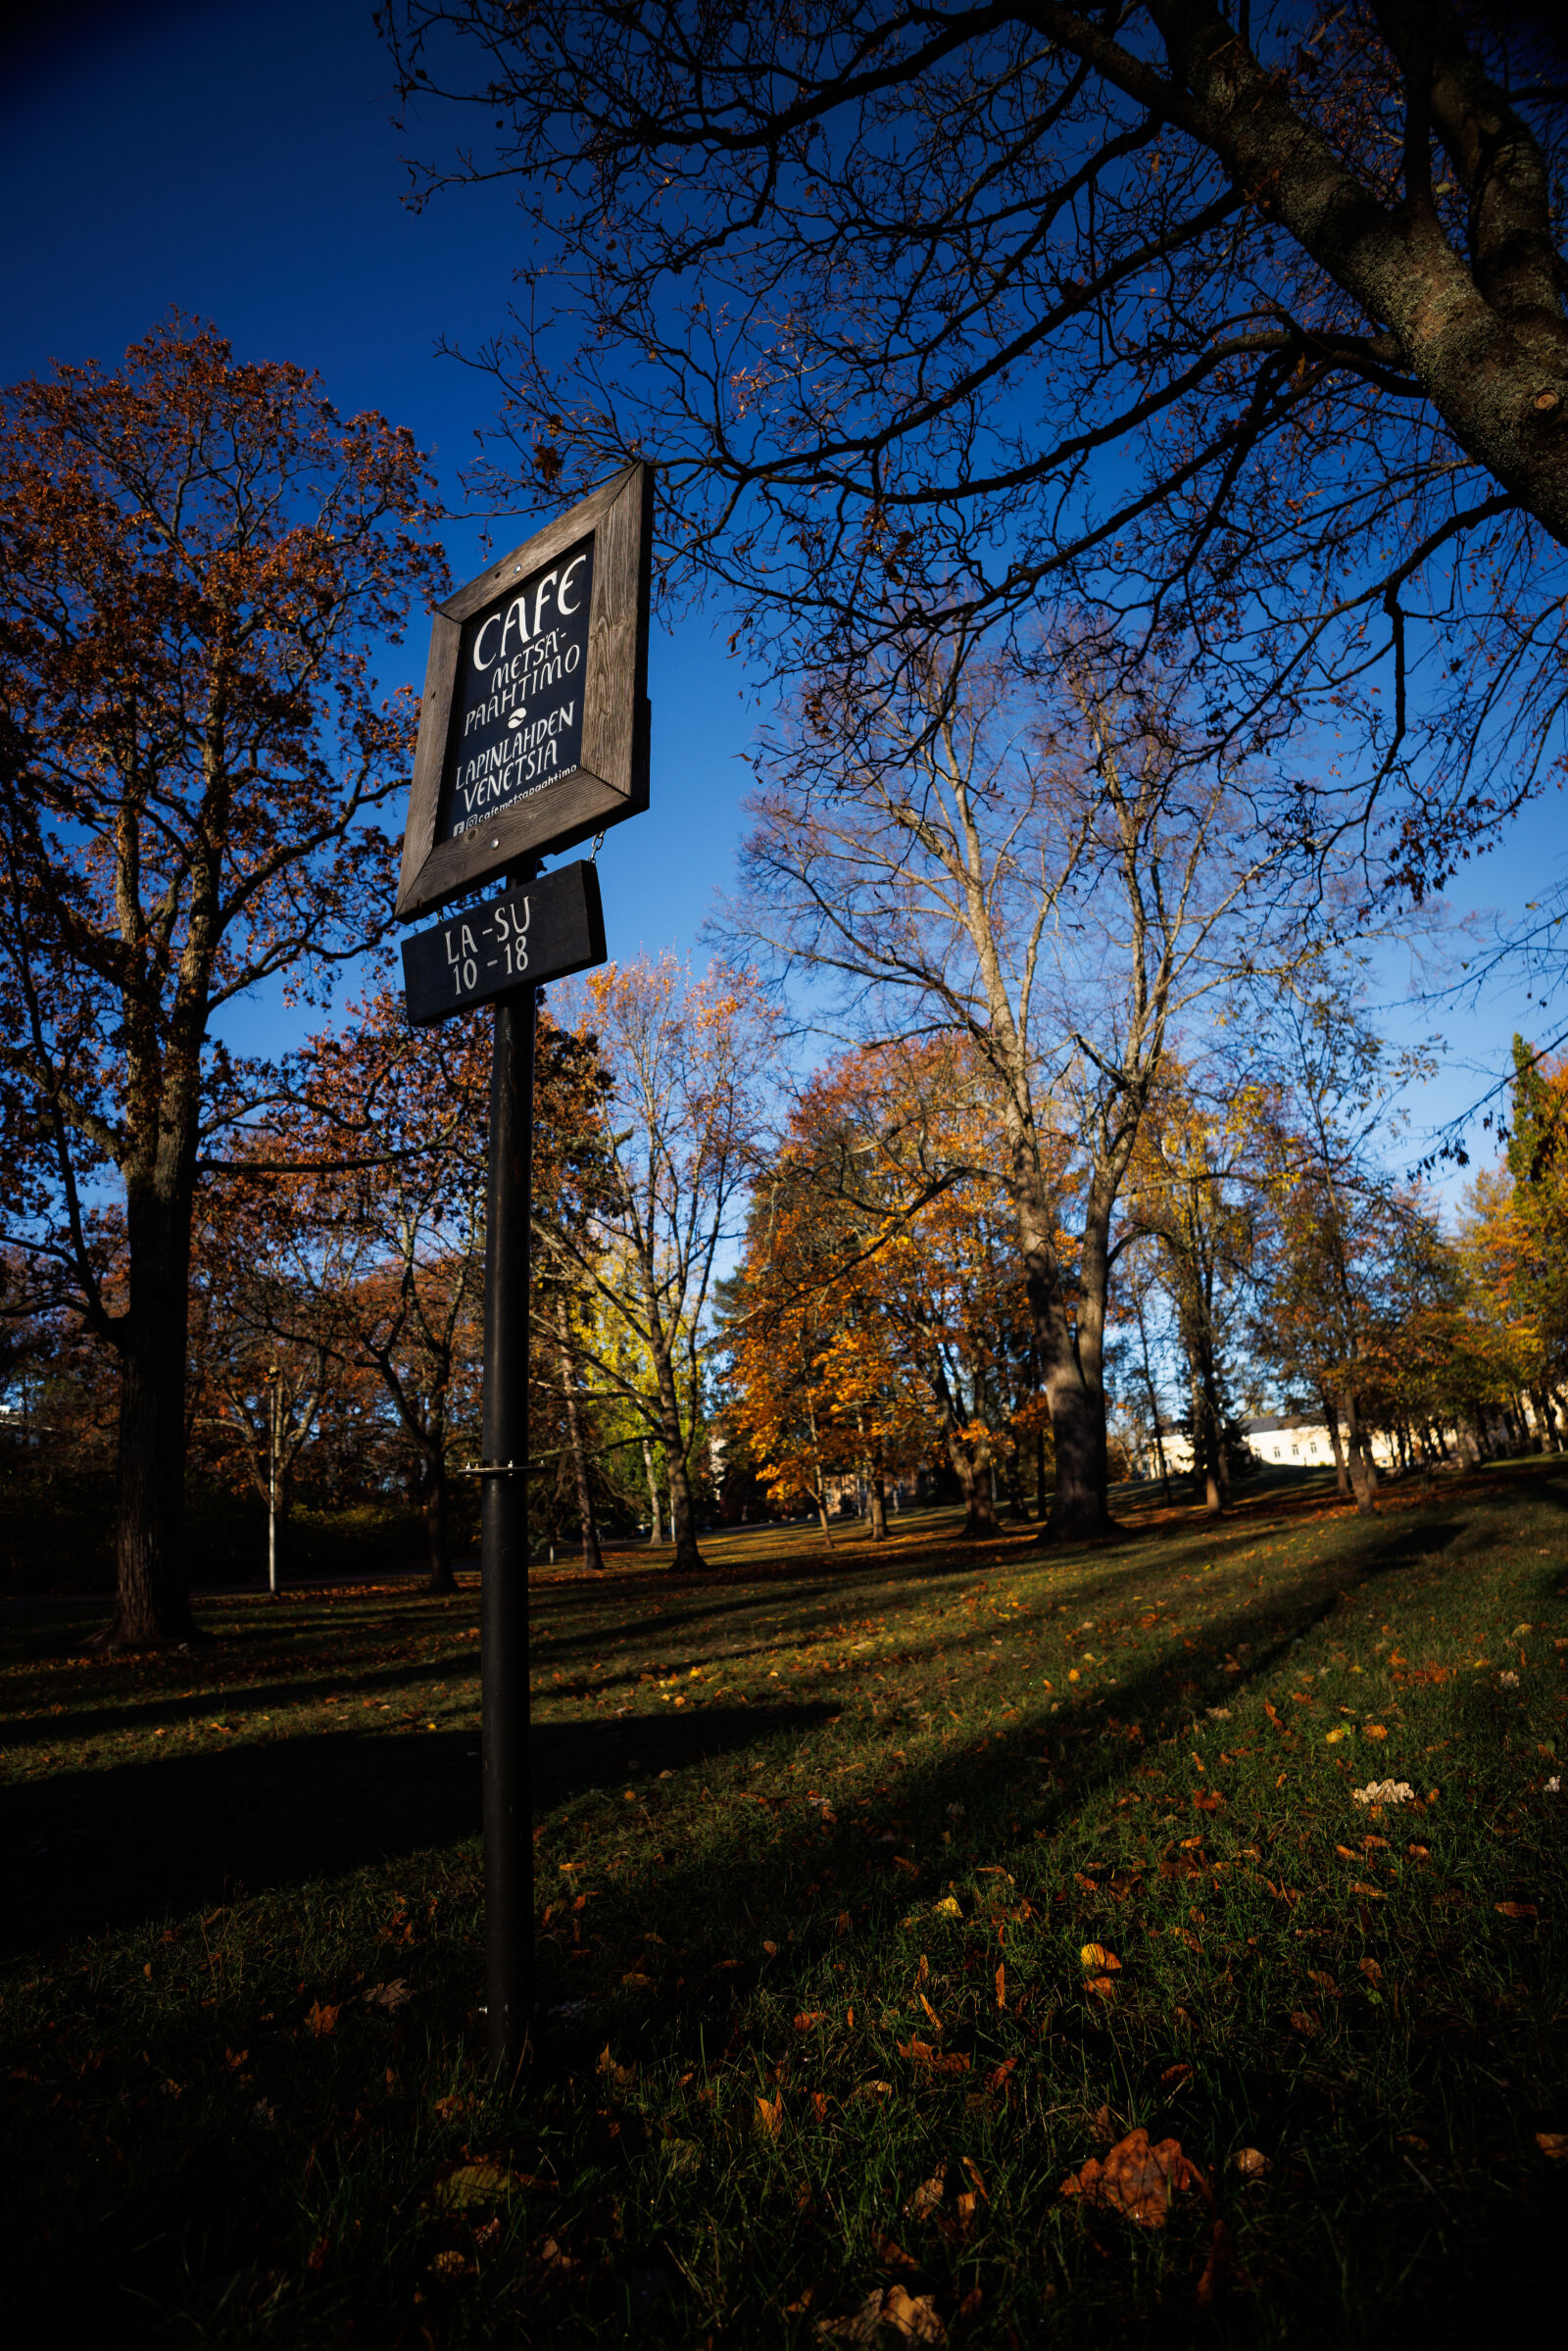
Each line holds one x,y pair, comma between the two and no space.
100,1849
92,1851
786,1872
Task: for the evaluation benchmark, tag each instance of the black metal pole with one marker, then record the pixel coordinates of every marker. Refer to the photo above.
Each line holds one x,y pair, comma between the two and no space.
504,1540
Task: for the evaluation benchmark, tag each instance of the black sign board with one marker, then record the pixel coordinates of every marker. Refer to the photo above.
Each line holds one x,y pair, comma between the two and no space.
516,714
540,931
533,726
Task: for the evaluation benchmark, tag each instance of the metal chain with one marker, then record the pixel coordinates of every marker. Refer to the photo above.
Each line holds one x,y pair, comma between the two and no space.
593,854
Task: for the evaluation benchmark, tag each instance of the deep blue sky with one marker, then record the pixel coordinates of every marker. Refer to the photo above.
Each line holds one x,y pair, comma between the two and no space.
236,158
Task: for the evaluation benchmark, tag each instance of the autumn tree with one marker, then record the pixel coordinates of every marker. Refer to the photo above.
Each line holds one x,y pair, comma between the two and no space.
1050,881
196,554
263,1368
1193,1193
1444,1344
817,1384
688,1062
880,1315
1242,325
573,1192
1327,1322
1513,1240
1537,1165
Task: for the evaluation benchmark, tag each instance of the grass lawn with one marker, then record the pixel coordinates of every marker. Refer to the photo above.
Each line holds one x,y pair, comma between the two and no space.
881,1892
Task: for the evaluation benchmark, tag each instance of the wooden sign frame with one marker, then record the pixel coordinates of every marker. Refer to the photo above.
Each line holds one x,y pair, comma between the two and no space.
611,780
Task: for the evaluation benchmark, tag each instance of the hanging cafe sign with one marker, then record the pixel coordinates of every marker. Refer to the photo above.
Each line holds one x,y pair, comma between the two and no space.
533,731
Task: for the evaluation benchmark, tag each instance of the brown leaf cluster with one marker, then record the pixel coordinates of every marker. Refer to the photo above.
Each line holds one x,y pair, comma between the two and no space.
1137,2179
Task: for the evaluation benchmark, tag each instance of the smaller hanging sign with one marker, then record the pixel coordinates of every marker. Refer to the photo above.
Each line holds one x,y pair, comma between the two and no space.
542,930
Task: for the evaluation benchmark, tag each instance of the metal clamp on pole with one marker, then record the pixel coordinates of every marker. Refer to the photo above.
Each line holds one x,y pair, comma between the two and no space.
491,1469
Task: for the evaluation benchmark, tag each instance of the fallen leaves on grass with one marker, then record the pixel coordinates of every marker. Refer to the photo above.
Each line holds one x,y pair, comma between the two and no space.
322,2020
1097,1957
484,2182
1250,2163
1554,2144
925,2199
948,1908
390,1996
1304,2022
1374,1730
1383,1791
809,2017
620,2076
1515,1910
912,2316
450,2264
770,2118
1136,2180
922,2053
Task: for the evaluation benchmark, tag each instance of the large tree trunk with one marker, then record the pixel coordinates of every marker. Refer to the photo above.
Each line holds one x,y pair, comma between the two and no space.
656,1501
592,1555
975,1483
1071,1359
438,1525
1153,1394
1331,1417
672,1438
683,1525
1363,1470
152,1597
978,1516
1209,1430
876,1508
1545,1420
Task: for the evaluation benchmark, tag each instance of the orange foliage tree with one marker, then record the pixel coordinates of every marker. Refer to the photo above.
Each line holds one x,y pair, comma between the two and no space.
354,1227
881,1316
195,552
1514,1240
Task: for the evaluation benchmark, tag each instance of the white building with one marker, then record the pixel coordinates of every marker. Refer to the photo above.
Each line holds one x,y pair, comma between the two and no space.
1292,1439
